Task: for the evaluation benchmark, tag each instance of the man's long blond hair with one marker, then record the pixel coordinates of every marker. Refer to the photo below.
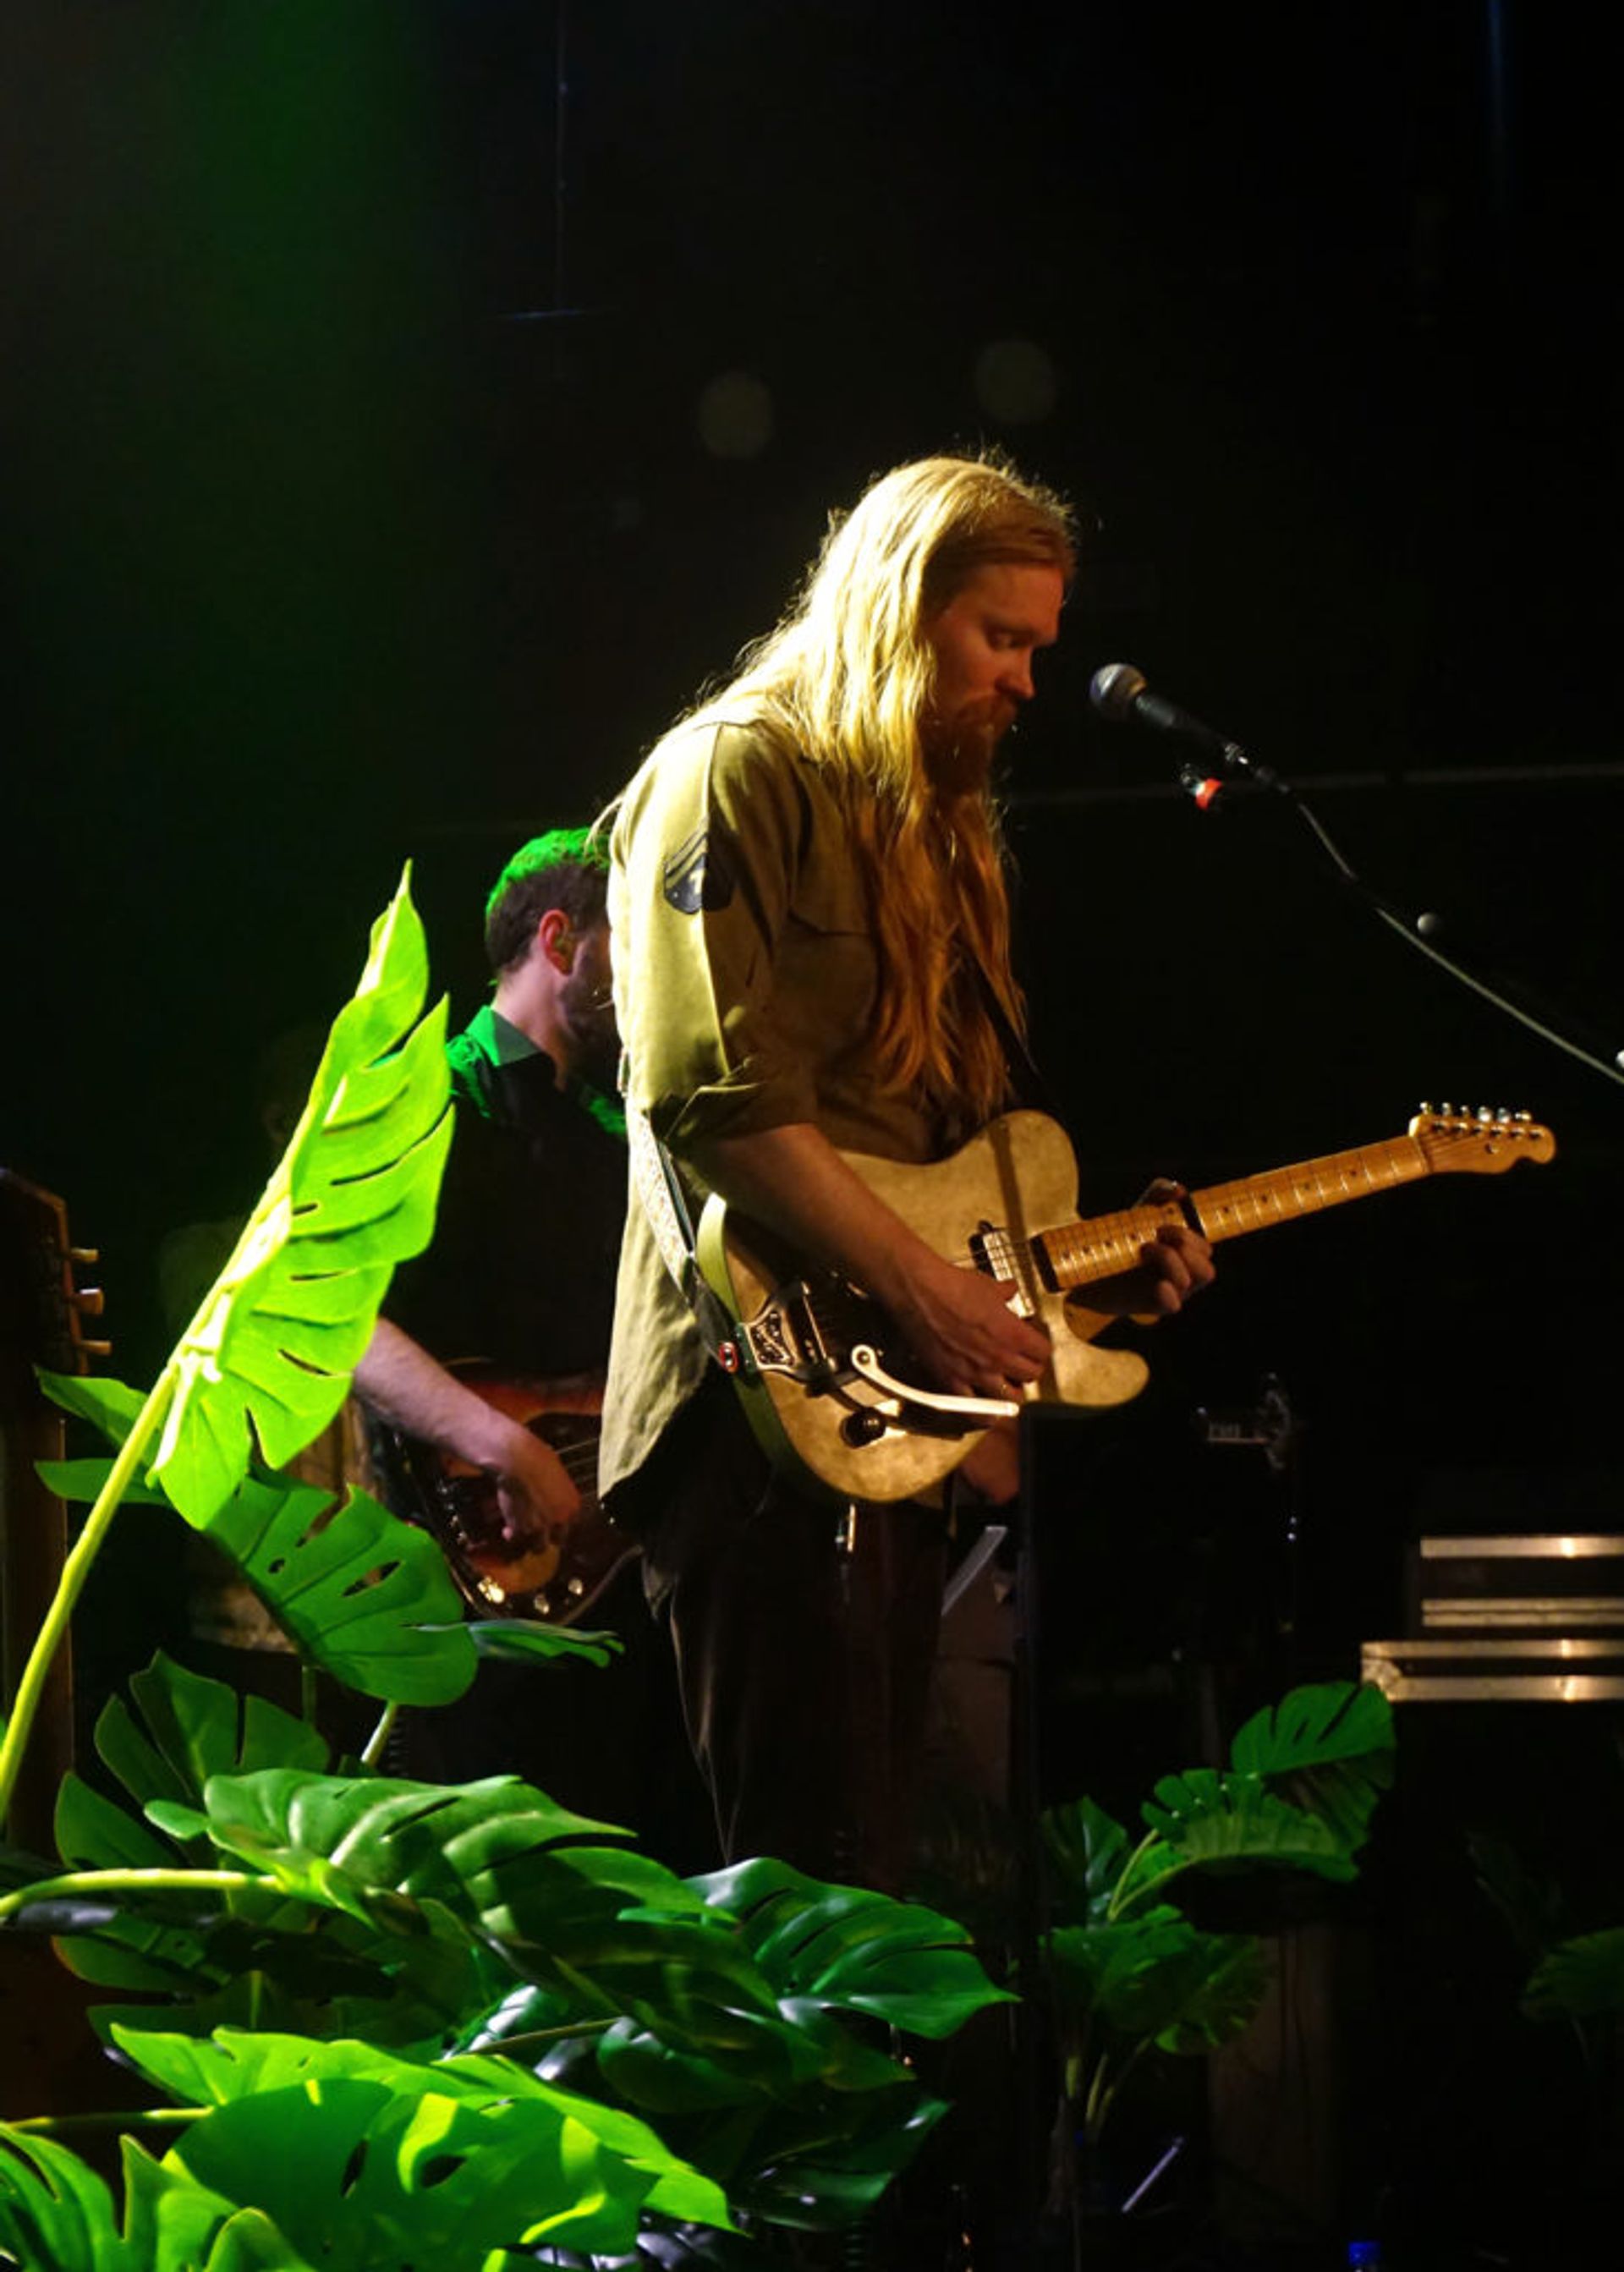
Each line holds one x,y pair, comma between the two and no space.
846,677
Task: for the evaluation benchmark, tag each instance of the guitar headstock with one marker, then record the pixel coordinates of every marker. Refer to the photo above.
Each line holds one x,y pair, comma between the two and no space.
42,1305
1486,1142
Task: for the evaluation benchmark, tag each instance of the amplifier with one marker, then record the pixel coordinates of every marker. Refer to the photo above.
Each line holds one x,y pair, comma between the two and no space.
1543,1668
1514,1618
1544,1583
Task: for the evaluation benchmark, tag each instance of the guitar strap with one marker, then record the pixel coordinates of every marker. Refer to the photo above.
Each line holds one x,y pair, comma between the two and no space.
665,1203
1030,1085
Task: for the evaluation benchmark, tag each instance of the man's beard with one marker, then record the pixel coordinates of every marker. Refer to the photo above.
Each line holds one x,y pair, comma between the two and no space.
589,1011
959,753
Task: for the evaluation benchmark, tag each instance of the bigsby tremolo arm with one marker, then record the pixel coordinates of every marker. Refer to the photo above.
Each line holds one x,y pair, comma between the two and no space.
784,1337
975,1411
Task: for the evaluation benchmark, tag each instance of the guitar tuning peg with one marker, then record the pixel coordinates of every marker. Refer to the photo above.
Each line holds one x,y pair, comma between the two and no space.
84,1254
97,1348
1445,1110
1424,1110
89,1300
1524,1117
1486,1112
1503,1117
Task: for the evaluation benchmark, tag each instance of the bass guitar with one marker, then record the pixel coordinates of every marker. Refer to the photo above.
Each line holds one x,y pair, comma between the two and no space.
558,1582
827,1381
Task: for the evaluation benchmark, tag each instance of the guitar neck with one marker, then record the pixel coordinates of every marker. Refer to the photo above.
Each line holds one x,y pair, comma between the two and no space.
1079,1253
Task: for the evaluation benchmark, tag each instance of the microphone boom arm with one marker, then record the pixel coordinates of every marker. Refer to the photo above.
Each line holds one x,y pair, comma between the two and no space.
1120,693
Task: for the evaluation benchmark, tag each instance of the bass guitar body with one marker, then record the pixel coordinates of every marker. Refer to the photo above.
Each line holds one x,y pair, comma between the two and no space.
557,1583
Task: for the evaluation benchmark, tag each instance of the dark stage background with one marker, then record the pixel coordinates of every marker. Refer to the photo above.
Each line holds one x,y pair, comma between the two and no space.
369,397
400,428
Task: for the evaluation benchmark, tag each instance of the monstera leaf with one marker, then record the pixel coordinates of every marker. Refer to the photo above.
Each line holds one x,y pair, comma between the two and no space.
145,1945
186,1728
1127,1968
813,2139
365,1595
1579,1979
1090,1851
1235,1819
269,1356
1328,1748
54,2211
1157,1976
850,1950
605,1928
822,2171
339,1965
568,2152
58,2215
437,2180
824,1951
283,1328
183,1728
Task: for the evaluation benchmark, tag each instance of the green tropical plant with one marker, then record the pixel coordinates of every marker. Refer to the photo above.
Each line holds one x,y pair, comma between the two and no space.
398,2022
1128,1971
1573,1978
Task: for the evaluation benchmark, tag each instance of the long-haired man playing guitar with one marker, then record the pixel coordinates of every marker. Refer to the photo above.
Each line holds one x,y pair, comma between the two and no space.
812,957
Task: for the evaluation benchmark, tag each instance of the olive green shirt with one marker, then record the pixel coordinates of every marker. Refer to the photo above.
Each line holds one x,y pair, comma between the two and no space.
745,975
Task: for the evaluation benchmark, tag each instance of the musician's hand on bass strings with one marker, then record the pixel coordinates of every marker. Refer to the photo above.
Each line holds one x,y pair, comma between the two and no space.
535,1495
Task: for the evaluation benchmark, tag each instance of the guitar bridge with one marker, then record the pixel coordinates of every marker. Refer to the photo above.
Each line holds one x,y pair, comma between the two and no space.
784,1337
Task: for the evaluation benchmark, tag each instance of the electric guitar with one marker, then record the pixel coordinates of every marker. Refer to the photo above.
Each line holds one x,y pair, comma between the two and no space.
558,1582
829,1384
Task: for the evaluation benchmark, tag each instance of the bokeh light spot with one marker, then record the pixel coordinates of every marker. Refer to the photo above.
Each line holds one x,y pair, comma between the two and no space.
734,414
1015,381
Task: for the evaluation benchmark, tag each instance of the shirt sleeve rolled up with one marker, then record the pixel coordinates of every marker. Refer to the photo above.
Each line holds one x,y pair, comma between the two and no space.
708,850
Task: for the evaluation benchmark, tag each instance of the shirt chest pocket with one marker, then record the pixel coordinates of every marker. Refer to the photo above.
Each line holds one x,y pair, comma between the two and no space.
826,978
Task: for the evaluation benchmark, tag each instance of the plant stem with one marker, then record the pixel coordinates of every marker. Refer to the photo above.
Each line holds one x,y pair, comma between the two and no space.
127,2118
548,2036
379,1737
75,1570
1121,1899
132,1881
1102,2096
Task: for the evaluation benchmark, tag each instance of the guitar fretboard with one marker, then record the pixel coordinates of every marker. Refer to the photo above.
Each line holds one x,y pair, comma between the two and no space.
1080,1252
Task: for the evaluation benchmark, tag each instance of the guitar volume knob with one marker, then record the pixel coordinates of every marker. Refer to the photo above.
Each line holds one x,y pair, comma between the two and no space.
860,1428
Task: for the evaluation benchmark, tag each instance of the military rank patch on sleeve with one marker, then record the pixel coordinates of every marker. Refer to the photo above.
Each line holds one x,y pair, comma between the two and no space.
685,874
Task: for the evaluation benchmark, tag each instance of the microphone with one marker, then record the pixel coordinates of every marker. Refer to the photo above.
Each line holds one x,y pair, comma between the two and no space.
1119,693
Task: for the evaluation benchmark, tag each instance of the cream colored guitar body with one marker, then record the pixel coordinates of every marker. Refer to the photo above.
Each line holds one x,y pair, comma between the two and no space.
830,1385
1019,1177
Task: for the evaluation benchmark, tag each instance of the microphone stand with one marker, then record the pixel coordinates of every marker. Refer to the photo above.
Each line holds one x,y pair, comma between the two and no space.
1240,777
